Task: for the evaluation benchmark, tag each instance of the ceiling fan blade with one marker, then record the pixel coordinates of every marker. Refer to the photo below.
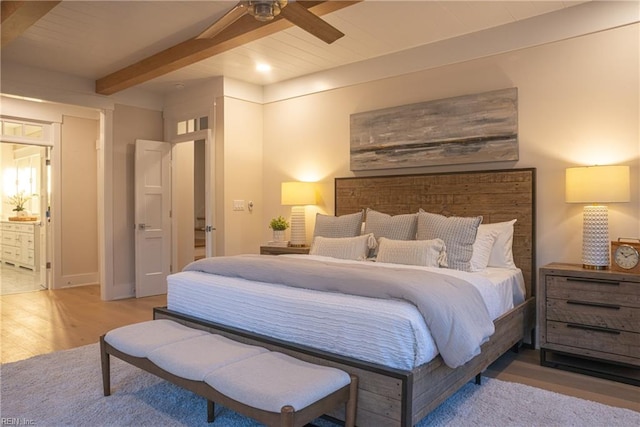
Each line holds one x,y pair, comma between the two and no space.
299,15
229,18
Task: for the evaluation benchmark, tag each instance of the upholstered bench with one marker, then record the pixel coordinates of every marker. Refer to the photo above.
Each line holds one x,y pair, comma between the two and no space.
270,387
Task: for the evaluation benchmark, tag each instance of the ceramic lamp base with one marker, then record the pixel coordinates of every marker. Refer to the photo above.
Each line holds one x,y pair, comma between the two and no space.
298,226
595,238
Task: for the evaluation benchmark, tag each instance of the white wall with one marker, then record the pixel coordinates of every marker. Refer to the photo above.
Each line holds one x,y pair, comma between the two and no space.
78,248
578,105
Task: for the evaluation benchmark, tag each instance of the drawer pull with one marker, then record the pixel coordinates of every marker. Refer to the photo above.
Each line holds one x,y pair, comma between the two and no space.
587,279
593,328
594,304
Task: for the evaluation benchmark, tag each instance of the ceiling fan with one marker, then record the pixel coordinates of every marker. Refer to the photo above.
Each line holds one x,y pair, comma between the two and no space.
267,10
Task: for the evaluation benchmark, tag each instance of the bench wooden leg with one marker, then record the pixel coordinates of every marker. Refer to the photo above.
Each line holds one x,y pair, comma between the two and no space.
211,411
350,414
106,368
286,416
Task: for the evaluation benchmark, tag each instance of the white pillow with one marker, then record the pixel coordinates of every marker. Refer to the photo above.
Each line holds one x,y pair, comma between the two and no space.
482,248
502,251
355,248
428,253
338,226
458,234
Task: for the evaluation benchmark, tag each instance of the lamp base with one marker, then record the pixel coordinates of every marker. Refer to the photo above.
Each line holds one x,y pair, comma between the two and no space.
595,267
298,227
595,238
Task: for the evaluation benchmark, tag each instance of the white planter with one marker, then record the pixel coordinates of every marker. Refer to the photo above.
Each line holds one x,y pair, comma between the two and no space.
278,235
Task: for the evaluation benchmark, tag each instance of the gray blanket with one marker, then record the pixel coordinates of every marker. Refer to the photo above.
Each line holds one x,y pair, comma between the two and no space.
452,308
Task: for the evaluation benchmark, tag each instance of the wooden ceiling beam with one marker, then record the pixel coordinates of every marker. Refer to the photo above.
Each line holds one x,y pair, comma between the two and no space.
244,30
18,16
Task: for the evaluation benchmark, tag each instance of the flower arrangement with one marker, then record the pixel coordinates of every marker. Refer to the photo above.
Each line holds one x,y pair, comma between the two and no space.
19,201
278,223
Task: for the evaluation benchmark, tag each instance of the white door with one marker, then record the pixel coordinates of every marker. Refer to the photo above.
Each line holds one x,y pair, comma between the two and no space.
210,191
152,217
183,148
44,190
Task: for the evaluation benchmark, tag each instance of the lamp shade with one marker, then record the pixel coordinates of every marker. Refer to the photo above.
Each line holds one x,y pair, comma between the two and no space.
298,193
597,184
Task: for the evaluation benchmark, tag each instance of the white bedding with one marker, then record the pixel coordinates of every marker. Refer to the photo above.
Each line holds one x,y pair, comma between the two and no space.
386,332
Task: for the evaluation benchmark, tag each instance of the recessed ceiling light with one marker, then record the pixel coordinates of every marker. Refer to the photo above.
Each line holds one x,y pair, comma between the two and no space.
263,68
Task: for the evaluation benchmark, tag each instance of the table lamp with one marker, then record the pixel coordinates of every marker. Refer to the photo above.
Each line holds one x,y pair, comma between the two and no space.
596,185
298,195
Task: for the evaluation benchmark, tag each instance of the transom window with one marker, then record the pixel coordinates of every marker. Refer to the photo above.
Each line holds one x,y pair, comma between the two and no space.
22,130
192,125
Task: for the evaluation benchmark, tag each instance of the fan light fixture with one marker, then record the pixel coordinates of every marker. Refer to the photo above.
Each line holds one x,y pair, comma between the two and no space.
265,10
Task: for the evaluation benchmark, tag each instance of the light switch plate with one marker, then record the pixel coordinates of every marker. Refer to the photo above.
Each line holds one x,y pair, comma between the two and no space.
238,205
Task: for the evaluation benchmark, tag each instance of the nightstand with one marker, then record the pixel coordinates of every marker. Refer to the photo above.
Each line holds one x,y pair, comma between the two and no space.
281,250
590,321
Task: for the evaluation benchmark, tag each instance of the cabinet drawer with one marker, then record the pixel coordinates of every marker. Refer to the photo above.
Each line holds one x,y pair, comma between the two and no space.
24,228
29,258
9,238
594,290
612,316
589,338
27,241
8,226
9,253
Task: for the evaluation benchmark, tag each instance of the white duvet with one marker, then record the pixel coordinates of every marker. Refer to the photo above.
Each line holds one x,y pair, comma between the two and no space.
387,332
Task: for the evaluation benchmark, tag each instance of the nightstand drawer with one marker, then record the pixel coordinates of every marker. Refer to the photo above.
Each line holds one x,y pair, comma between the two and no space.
284,250
604,315
593,290
592,338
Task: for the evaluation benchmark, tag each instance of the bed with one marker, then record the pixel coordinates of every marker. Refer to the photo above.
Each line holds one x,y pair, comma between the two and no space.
402,375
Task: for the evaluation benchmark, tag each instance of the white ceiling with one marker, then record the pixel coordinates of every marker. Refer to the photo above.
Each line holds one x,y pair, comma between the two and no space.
91,39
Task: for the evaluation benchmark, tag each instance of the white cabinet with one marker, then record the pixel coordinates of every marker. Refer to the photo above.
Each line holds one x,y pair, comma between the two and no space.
19,244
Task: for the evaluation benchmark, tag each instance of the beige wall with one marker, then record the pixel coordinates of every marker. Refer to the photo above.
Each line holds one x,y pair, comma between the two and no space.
242,177
578,105
78,208
129,124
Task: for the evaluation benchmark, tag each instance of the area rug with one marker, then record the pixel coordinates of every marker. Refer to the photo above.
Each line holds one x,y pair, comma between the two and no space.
65,389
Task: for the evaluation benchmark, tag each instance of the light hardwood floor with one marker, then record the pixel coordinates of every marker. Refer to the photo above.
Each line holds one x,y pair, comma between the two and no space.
41,322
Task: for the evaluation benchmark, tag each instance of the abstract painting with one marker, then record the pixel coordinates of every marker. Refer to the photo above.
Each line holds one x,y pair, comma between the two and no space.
465,129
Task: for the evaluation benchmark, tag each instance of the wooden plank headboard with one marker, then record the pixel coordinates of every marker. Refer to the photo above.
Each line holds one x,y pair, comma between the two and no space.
497,195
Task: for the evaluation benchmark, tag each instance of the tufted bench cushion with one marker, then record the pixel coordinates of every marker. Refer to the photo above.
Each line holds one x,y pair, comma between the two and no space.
270,381
271,387
142,338
194,358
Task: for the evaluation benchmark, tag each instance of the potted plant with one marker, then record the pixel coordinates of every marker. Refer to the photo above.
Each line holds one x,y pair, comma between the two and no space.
278,225
19,200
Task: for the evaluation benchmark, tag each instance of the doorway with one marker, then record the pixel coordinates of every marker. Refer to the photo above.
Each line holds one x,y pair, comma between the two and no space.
187,190
24,216
190,201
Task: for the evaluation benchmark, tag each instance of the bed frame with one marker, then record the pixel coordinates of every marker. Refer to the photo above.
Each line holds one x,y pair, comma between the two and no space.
392,397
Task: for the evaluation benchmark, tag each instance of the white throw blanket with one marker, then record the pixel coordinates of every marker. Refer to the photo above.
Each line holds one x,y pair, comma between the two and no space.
452,308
